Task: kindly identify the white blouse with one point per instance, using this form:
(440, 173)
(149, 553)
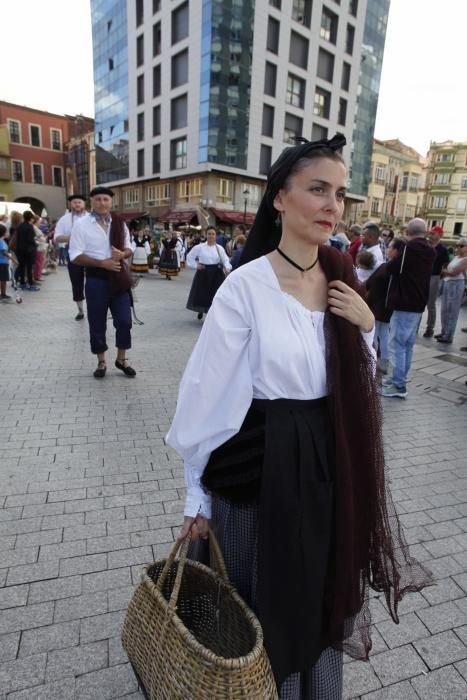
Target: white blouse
(257, 342)
(452, 265)
(208, 255)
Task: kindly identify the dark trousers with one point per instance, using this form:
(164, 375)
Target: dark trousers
(25, 263)
(76, 273)
(99, 300)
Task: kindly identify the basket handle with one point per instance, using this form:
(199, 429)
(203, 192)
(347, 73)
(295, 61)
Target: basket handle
(183, 548)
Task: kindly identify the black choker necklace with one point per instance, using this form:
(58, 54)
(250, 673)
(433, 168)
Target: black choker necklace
(302, 269)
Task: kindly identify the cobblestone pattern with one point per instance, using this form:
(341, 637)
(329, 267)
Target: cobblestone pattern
(89, 493)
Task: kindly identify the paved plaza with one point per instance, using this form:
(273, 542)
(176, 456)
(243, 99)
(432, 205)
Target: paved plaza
(89, 493)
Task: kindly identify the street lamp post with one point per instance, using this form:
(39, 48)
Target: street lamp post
(245, 195)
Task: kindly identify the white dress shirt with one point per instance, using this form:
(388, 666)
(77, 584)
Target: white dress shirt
(377, 253)
(65, 225)
(257, 342)
(89, 238)
(205, 254)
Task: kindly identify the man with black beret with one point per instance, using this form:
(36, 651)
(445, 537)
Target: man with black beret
(101, 242)
(63, 230)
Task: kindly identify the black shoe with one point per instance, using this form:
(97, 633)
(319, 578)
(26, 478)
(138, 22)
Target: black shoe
(444, 340)
(126, 369)
(79, 317)
(200, 316)
(463, 350)
(428, 333)
(438, 335)
(100, 371)
(464, 330)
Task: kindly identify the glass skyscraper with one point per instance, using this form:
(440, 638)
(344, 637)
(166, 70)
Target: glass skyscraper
(110, 47)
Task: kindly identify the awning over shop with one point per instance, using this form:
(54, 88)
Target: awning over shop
(130, 215)
(234, 217)
(179, 216)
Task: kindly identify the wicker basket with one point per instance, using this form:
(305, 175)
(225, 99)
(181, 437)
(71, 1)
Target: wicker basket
(189, 635)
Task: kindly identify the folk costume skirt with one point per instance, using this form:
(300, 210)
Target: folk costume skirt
(168, 263)
(278, 547)
(139, 262)
(205, 284)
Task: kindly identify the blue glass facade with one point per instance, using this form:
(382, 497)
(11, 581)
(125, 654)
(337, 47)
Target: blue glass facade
(226, 56)
(374, 38)
(110, 48)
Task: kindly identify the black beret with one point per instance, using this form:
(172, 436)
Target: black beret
(76, 196)
(101, 190)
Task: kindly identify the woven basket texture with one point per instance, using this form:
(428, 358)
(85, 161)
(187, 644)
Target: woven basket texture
(189, 635)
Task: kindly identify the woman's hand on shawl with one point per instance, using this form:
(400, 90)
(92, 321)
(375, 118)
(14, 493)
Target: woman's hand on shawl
(347, 303)
(197, 526)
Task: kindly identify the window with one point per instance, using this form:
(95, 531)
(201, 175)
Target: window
(265, 157)
(111, 64)
(131, 197)
(380, 174)
(329, 24)
(57, 176)
(275, 3)
(156, 39)
(442, 178)
(325, 65)
(458, 226)
(140, 126)
(156, 158)
(322, 103)
(353, 7)
(439, 202)
(190, 190)
(150, 195)
(464, 183)
(180, 23)
(254, 192)
(140, 50)
(116, 197)
(156, 6)
(272, 42)
(224, 189)
(376, 206)
(56, 139)
(293, 126)
(179, 112)
(345, 79)
(295, 91)
(349, 38)
(267, 128)
(301, 11)
(139, 12)
(35, 135)
(37, 173)
(461, 204)
(318, 132)
(17, 170)
(445, 157)
(178, 153)
(14, 128)
(156, 81)
(414, 183)
(298, 53)
(140, 163)
(140, 89)
(342, 116)
(156, 120)
(270, 77)
(161, 193)
(180, 69)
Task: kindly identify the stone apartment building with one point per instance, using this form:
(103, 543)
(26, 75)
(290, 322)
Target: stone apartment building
(446, 187)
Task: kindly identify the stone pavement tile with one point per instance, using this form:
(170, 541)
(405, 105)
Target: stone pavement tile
(101, 626)
(398, 691)
(441, 649)
(165, 520)
(23, 673)
(443, 529)
(38, 538)
(51, 522)
(107, 544)
(151, 537)
(32, 572)
(442, 617)
(102, 516)
(117, 527)
(444, 566)
(106, 684)
(411, 602)
(83, 565)
(443, 684)
(62, 550)
(77, 661)
(9, 644)
(13, 596)
(84, 505)
(442, 591)
(120, 597)
(81, 606)
(58, 636)
(461, 666)
(46, 509)
(16, 557)
(441, 547)
(144, 509)
(444, 513)
(359, 678)
(56, 589)
(106, 580)
(129, 557)
(117, 654)
(409, 628)
(27, 499)
(58, 690)
(397, 665)
(10, 513)
(83, 532)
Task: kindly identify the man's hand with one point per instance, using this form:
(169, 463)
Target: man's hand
(111, 264)
(117, 254)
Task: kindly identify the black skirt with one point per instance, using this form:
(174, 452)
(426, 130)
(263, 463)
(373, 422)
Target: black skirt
(205, 284)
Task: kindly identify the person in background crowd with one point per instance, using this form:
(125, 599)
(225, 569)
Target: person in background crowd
(454, 278)
(387, 235)
(26, 252)
(441, 261)
(365, 265)
(5, 258)
(235, 259)
(355, 236)
(41, 249)
(371, 242)
(101, 243)
(221, 238)
(238, 230)
(63, 232)
(211, 263)
(141, 252)
(169, 263)
(408, 294)
(341, 235)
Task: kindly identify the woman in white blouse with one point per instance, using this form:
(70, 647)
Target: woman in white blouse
(259, 409)
(211, 263)
(454, 277)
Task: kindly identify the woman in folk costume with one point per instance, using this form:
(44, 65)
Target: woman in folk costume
(211, 263)
(141, 251)
(169, 263)
(280, 432)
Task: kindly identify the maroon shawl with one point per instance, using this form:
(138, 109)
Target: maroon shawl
(123, 280)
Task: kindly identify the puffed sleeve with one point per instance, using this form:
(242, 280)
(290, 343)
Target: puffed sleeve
(77, 241)
(224, 257)
(215, 392)
(191, 258)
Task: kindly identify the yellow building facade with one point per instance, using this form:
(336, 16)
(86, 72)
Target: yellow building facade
(446, 187)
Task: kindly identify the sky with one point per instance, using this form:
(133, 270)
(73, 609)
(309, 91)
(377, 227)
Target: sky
(422, 93)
